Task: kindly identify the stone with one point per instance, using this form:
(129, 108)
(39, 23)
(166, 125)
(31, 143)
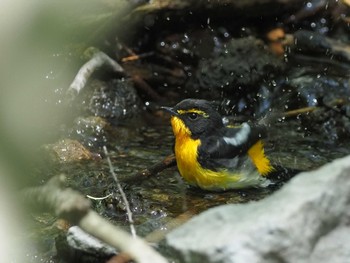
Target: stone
(80, 246)
(334, 247)
(67, 150)
(242, 64)
(298, 223)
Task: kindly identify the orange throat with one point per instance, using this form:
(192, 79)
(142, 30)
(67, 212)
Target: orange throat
(185, 150)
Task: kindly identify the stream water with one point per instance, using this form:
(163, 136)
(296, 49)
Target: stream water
(157, 200)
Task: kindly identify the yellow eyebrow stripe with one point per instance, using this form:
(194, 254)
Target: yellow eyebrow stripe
(203, 113)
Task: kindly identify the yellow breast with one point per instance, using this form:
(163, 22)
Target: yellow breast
(186, 152)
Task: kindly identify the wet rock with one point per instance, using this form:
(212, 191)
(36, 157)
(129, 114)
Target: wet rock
(68, 150)
(313, 42)
(237, 69)
(330, 93)
(298, 223)
(331, 124)
(314, 89)
(92, 131)
(114, 99)
(82, 247)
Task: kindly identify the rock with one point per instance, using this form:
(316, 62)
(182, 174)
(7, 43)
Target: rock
(68, 150)
(241, 65)
(115, 100)
(82, 247)
(92, 131)
(298, 223)
(334, 247)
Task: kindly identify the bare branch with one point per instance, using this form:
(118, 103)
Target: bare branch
(137, 248)
(98, 59)
(168, 162)
(63, 202)
(72, 206)
(125, 200)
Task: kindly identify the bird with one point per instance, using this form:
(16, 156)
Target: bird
(214, 156)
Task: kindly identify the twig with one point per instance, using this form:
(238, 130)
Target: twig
(108, 233)
(128, 50)
(137, 57)
(98, 59)
(296, 112)
(98, 198)
(168, 162)
(63, 202)
(72, 206)
(140, 83)
(125, 200)
(158, 235)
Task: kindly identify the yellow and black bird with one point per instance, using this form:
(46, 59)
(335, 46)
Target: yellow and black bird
(213, 156)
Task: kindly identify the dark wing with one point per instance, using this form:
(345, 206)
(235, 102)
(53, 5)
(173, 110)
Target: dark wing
(232, 142)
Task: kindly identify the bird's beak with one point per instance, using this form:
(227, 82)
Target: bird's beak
(170, 110)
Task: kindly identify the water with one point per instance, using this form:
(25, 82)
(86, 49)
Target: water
(157, 200)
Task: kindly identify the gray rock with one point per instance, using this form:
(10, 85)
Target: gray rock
(298, 223)
(334, 247)
(81, 241)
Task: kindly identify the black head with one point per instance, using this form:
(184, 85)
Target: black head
(195, 118)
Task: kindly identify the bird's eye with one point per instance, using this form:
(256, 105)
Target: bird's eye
(193, 116)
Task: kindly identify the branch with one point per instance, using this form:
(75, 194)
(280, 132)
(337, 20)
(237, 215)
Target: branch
(136, 247)
(72, 206)
(53, 197)
(97, 60)
(296, 112)
(166, 163)
(125, 200)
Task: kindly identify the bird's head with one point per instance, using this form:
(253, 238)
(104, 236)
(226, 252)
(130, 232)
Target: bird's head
(194, 118)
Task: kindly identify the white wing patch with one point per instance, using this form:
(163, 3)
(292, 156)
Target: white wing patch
(241, 137)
